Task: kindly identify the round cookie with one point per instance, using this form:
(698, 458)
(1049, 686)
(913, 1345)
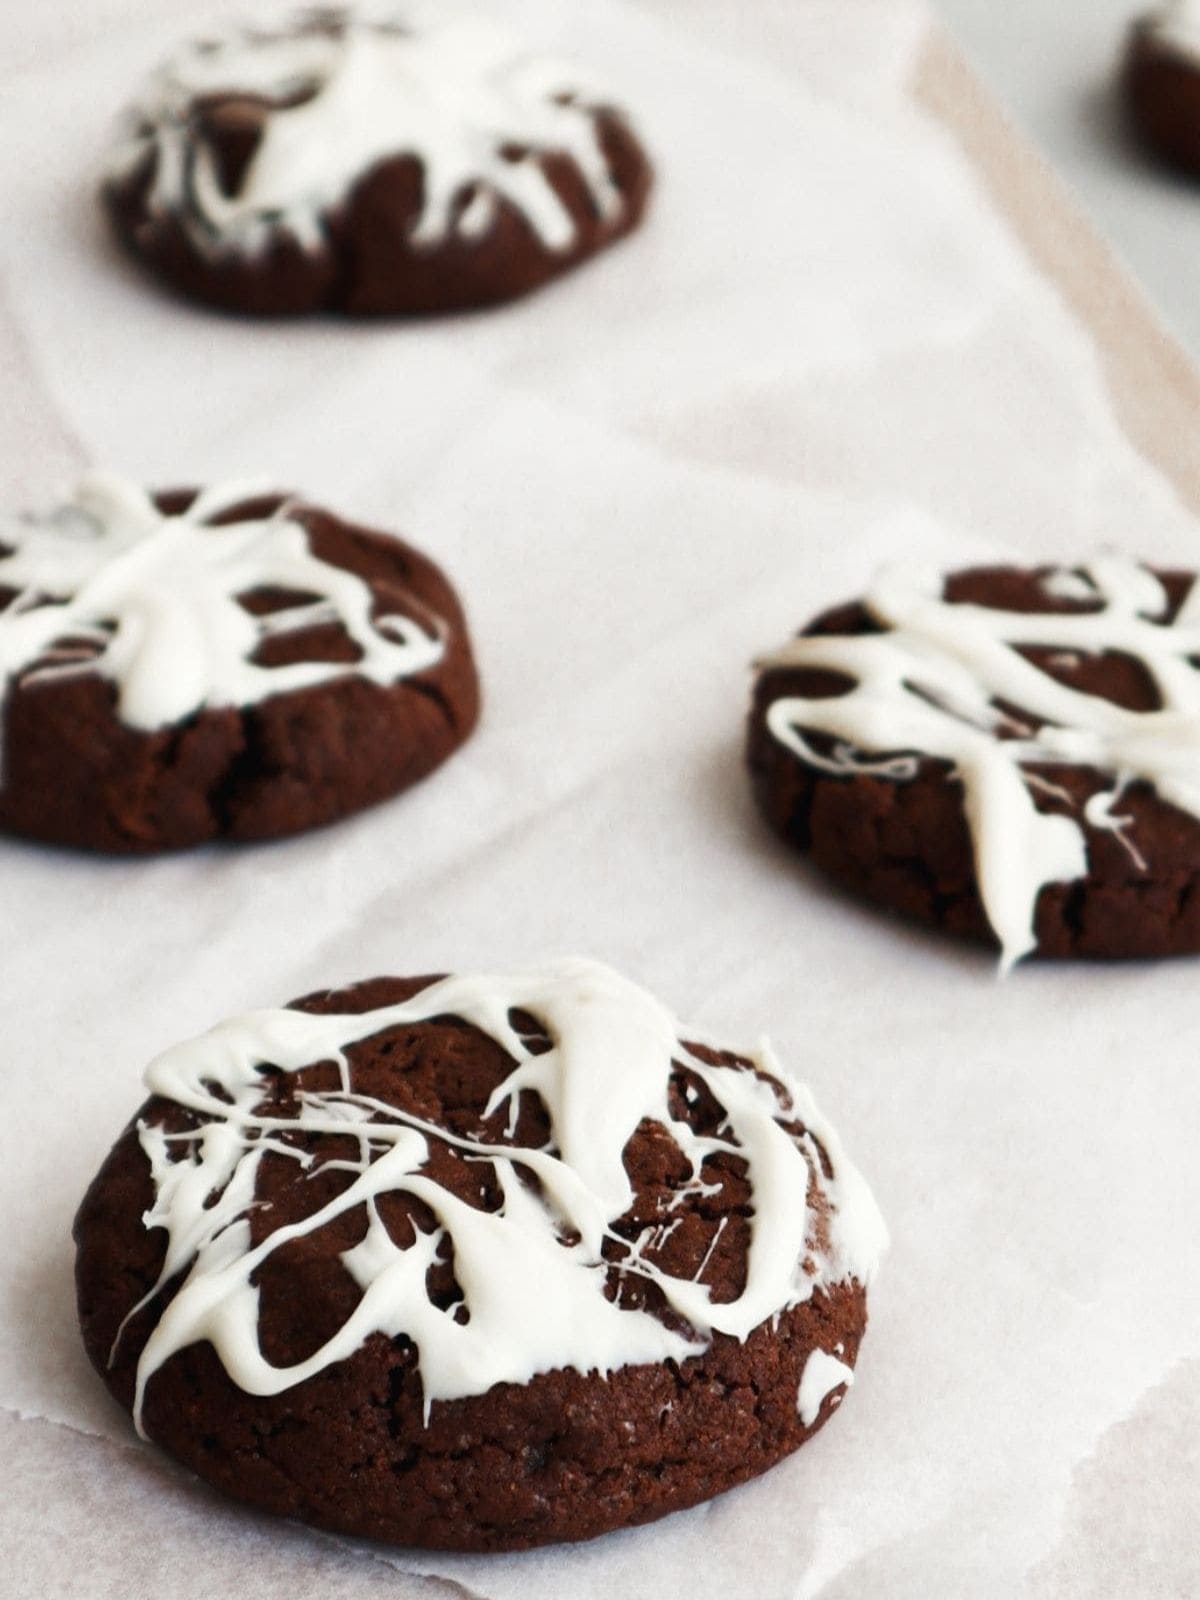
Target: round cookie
(1162, 82)
(187, 667)
(1011, 754)
(475, 1263)
(382, 163)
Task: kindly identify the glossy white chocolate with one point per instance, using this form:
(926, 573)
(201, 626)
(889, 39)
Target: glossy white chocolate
(929, 686)
(532, 1273)
(454, 92)
(108, 584)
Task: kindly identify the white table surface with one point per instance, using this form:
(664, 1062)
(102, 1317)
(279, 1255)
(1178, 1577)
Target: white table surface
(1053, 64)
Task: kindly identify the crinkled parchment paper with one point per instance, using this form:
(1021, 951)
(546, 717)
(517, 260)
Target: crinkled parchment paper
(826, 348)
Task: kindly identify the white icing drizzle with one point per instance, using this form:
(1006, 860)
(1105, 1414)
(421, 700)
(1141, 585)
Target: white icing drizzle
(822, 1374)
(1177, 24)
(153, 601)
(458, 94)
(535, 1300)
(930, 685)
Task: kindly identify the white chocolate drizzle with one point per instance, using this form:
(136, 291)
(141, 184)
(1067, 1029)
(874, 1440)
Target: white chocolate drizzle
(822, 1374)
(109, 584)
(532, 1273)
(478, 112)
(929, 685)
(1177, 24)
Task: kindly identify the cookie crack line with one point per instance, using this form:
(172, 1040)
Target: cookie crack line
(612, 1051)
(934, 684)
(111, 585)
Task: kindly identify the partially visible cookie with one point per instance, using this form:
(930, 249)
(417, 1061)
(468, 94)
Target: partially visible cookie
(1162, 81)
(388, 162)
(186, 667)
(1011, 754)
(475, 1263)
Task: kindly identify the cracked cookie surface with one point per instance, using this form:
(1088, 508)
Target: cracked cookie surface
(891, 819)
(358, 1445)
(382, 164)
(181, 668)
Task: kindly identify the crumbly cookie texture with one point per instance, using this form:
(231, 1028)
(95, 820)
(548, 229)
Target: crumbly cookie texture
(384, 160)
(476, 1262)
(1012, 754)
(185, 667)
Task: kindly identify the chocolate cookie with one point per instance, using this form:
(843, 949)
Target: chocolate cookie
(372, 165)
(1013, 755)
(198, 666)
(1162, 82)
(475, 1263)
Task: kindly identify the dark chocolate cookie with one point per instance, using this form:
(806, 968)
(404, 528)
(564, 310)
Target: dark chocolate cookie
(1162, 82)
(1013, 755)
(199, 666)
(475, 1263)
(369, 166)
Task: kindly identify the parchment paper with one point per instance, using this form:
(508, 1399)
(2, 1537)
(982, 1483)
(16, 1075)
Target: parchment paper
(826, 348)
